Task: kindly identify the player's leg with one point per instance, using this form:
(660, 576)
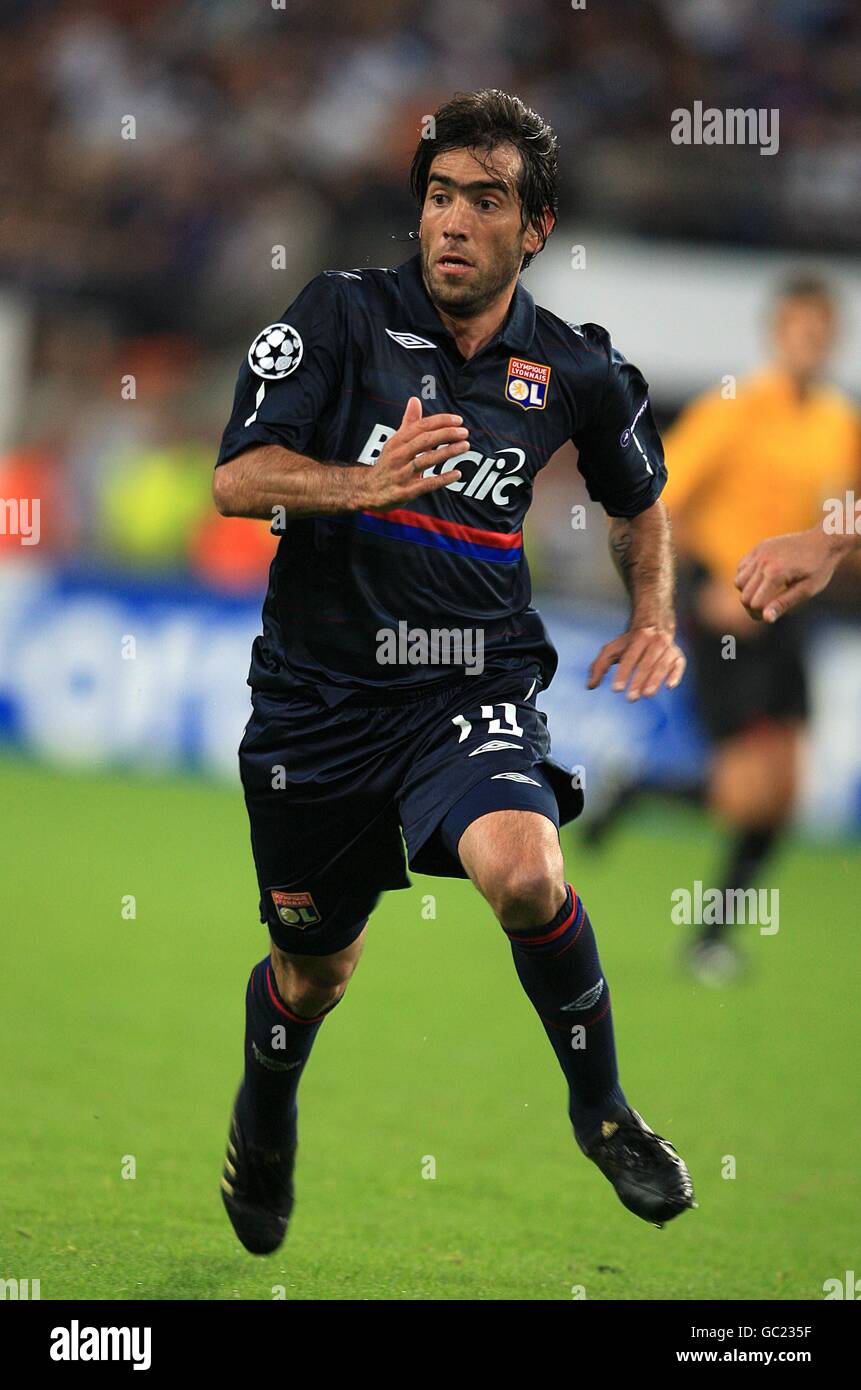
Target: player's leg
(312, 985)
(753, 703)
(515, 861)
(322, 858)
(484, 799)
(287, 999)
(753, 782)
(286, 1002)
(754, 776)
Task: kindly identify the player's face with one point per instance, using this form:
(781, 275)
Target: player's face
(804, 331)
(472, 239)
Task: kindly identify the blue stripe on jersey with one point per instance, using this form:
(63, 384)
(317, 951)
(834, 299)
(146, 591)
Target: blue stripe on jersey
(397, 531)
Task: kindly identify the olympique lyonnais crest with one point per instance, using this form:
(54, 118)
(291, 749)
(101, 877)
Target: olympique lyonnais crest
(526, 383)
(295, 909)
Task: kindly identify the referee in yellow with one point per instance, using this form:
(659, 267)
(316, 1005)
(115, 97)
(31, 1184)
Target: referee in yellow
(743, 465)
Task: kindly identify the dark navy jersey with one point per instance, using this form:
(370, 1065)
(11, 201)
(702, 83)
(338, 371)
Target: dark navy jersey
(331, 381)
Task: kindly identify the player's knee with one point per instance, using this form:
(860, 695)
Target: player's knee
(311, 984)
(753, 789)
(527, 893)
(309, 997)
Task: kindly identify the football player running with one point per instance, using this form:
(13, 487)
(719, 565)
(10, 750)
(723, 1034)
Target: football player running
(398, 525)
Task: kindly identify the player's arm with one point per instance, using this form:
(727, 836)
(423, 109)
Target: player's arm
(271, 481)
(646, 654)
(289, 387)
(781, 573)
(642, 553)
(622, 460)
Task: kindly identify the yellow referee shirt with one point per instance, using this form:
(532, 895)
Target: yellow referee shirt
(758, 465)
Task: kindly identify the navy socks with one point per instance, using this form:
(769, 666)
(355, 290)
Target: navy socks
(560, 971)
(277, 1046)
(558, 967)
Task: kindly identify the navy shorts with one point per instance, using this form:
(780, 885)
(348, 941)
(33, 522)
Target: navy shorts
(329, 792)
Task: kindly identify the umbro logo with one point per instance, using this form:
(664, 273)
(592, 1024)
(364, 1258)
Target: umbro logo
(410, 340)
(494, 746)
(586, 1000)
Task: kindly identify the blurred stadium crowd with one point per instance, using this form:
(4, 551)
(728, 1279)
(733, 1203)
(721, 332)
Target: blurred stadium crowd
(263, 125)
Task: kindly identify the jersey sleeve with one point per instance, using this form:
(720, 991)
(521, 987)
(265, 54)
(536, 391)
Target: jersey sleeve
(621, 456)
(298, 365)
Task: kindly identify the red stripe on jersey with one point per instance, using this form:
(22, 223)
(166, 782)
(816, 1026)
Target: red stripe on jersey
(504, 541)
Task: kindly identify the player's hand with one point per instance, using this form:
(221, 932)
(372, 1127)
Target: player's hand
(647, 658)
(418, 442)
(781, 573)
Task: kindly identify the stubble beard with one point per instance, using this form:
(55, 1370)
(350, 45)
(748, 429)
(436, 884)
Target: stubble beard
(462, 301)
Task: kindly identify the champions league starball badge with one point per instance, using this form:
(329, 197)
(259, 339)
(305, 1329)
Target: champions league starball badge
(275, 352)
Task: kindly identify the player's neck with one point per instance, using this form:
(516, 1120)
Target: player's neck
(801, 384)
(471, 335)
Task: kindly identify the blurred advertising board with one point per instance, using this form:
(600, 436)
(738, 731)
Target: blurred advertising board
(104, 671)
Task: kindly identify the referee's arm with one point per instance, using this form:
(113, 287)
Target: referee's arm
(783, 572)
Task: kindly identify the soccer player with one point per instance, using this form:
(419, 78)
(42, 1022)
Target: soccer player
(401, 561)
(766, 460)
(781, 573)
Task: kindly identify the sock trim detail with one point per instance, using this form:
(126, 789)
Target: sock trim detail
(530, 939)
(282, 1007)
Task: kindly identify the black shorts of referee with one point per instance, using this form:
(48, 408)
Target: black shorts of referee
(749, 682)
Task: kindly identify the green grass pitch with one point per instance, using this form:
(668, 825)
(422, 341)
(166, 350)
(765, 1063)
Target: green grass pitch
(122, 1037)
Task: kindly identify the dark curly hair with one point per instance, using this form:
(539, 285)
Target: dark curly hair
(482, 121)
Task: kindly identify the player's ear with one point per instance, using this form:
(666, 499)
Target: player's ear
(536, 236)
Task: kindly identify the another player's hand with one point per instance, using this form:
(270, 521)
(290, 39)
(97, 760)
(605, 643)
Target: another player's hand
(647, 658)
(418, 442)
(781, 573)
